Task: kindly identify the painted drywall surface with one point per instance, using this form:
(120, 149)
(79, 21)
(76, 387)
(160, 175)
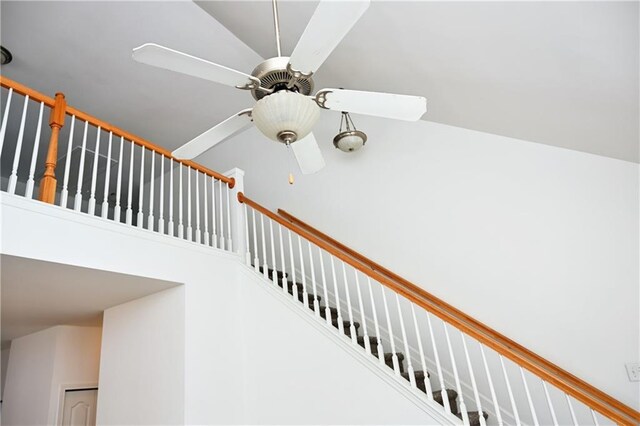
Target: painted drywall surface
(28, 386)
(208, 292)
(77, 362)
(538, 242)
(41, 364)
(295, 374)
(4, 362)
(215, 381)
(143, 340)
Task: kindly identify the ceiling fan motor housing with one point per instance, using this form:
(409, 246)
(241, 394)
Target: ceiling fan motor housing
(273, 75)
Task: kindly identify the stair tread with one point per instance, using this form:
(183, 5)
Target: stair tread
(419, 375)
(474, 417)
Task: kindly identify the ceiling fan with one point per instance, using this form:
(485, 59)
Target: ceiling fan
(285, 111)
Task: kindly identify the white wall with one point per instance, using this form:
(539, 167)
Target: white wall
(207, 301)
(538, 242)
(41, 365)
(294, 373)
(231, 348)
(143, 343)
(4, 362)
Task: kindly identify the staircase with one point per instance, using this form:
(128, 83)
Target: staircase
(371, 344)
(433, 349)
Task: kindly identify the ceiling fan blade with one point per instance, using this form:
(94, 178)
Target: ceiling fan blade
(308, 154)
(163, 57)
(331, 21)
(399, 107)
(214, 136)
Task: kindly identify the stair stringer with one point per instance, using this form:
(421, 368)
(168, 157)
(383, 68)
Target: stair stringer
(432, 410)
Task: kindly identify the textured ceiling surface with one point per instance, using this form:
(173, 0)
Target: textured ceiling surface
(558, 73)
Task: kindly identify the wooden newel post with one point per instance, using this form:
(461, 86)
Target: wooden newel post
(56, 121)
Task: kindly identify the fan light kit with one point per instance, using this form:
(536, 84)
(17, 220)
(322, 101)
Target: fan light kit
(286, 110)
(351, 139)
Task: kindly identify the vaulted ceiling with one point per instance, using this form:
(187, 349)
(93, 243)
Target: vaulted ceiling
(558, 73)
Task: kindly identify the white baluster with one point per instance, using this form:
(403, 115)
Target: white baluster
(427, 383)
(352, 327)
(256, 260)
(496, 407)
(443, 388)
(140, 216)
(161, 210)
(274, 276)
(247, 255)
(189, 228)
(170, 225)
(316, 304)
(595, 418)
(463, 407)
(214, 237)
(67, 165)
(116, 211)
(337, 296)
(180, 205)
(327, 309)
(229, 240)
(221, 215)
(129, 211)
(94, 174)
(34, 154)
(305, 294)
(394, 356)
(526, 390)
(13, 179)
(573, 414)
(294, 288)
(151, 219)
(265, 266)
(511, 399)
(379, 348)
(365, 333)
(550, 404)
(473, 380)
(5, 117)
(104, 210)
(282, 257)
(206, 211)
(412, 376)
(77, 202)
(198, 233)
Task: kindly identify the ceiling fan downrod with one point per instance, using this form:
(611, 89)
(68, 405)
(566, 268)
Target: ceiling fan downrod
(277, 25)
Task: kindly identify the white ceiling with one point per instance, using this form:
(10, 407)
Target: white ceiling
(559, 73)
(38, 295)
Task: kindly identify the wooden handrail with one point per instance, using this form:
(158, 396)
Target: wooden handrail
(554, 369)
(580, 390)
(24, 90)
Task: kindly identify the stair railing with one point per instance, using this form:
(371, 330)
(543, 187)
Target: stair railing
(444, 349)
(457, 361)
(113, 174)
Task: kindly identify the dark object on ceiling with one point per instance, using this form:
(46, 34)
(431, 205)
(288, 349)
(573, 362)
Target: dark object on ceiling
(6, 56)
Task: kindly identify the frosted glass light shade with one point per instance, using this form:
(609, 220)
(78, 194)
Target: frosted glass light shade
(285, 111)
(349, 141)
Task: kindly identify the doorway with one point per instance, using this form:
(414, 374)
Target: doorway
(79, 407)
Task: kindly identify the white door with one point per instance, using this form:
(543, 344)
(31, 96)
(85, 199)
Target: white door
(79, 407)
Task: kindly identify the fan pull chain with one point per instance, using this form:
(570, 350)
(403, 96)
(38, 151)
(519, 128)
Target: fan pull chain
(290, 156)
